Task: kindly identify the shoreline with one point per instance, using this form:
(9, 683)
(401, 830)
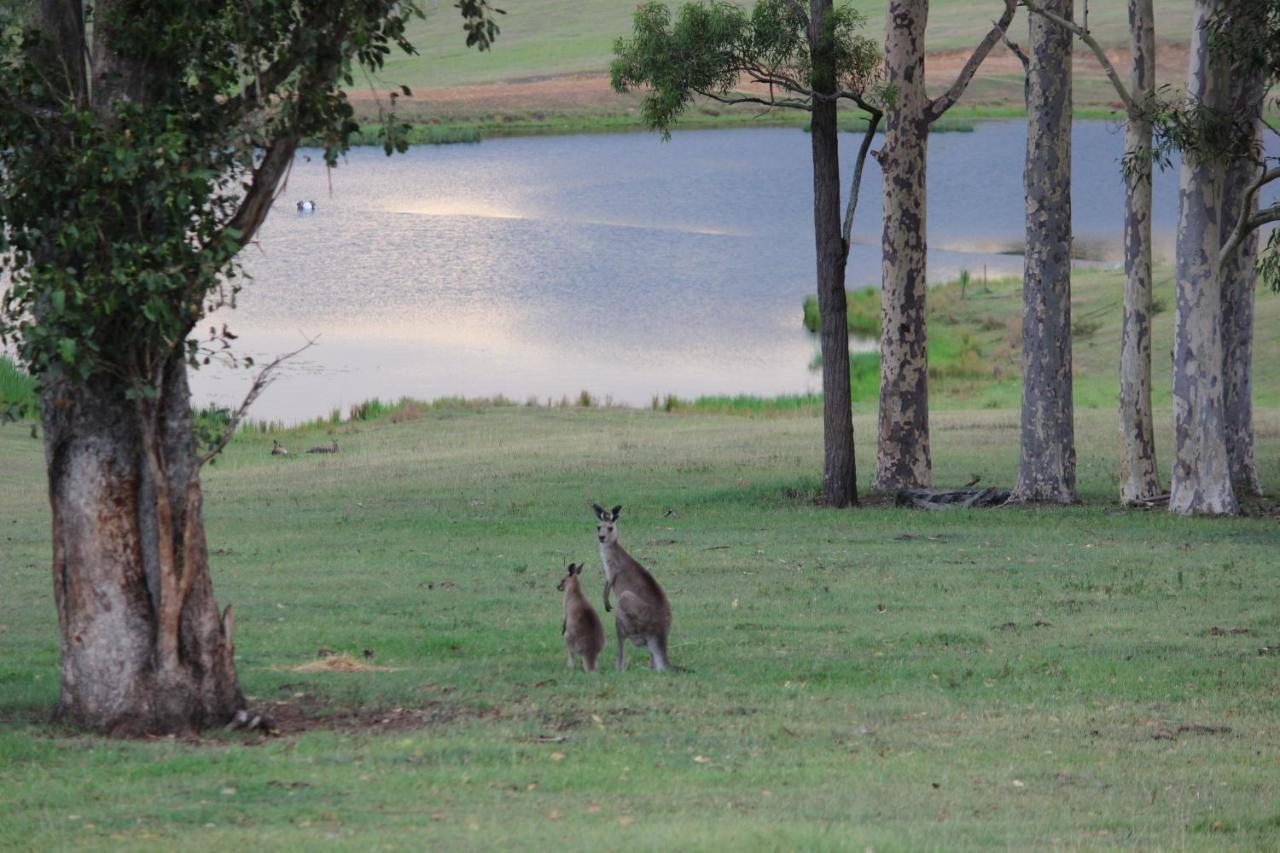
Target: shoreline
(958, 120)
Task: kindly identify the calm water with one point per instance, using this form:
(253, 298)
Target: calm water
(616, 264)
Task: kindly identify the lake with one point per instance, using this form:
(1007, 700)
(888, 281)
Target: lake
(616, 264)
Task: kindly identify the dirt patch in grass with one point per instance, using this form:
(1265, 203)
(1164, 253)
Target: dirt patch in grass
(340, 663)
(290, 718)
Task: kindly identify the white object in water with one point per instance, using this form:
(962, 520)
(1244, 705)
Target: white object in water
(306, 207)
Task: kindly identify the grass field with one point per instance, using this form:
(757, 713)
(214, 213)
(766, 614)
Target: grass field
(547, 71)
(542, 38)
(875, 678)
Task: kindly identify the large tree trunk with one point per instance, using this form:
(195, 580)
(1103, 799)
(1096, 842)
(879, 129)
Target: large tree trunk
(1239, 281)
(902, 456)
(839, 480)
(124, 558)
(1139, 474)
(1201, 473)
(1047, 468)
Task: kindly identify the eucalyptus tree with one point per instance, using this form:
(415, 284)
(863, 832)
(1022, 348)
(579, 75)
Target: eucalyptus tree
(142, 143)
(790, 59)
(1248, 36)
(1139, 474)
(1234, 55)
(902, 455)
(1201, 475)
(1047, 460)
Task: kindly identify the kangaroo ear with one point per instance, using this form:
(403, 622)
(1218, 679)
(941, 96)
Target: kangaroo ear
(600, 513)
(575, 570)
(616, 510)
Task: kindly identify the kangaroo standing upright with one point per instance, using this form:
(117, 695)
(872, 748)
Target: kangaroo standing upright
(644, 615)
(583, 634)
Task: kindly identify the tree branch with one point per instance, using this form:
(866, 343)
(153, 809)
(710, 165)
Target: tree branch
(847, 230)
(947, 99)
(1248, 219)
(730, 98)
(1131, 106)
(256, 203)
(260, 383)
(1017, 51)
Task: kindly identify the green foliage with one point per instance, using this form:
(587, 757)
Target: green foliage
(124, 202)
(209, 424)
(863, 316)
(707, 48)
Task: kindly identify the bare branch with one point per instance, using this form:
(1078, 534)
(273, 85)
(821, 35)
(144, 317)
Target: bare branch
(1017, 51)
(947, 99)
(260, 382)
(731, 98)
(1249, 219)
(847, 231)
(1131, 106)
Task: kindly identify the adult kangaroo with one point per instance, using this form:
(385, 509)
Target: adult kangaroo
(644, 615)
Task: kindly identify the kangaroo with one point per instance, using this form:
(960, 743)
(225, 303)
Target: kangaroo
(644, 615)
(583, 634)
(320, 448)
(278, 449)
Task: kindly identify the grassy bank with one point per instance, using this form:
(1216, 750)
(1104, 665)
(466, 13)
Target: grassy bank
(975, 335)
(1080, 677)
(472, 126)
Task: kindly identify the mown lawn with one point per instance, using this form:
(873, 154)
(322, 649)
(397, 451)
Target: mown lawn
(894, 679)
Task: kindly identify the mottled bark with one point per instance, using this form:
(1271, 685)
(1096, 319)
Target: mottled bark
(143, 646)
(1201, 482)
(109, 531)
(1139, 474)
(1239, 281)
(902, 450)
(1047, 466)
(902, 458)
(839, 480)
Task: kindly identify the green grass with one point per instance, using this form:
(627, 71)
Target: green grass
(552, 38)
(975, 339)
(542, 38)
(879, 677)
(17, 390)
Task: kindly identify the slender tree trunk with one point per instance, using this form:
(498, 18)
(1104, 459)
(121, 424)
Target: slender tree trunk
(1201, 473)
(902, 457)
(1139, 474)
(109, 531)
(1239, 281)
(1047, 469)
(839, 478)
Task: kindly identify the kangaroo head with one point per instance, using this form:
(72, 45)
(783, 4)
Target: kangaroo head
(607, 524)
(570, 574)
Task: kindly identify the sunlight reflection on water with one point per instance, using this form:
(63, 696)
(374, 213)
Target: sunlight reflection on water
(616, 264)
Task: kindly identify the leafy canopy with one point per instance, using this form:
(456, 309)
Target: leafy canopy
(710, 48)
(133, 170)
